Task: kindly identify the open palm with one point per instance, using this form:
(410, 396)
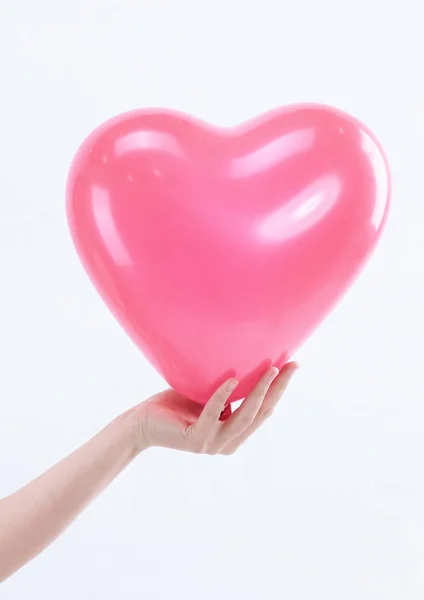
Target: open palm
(172, 421)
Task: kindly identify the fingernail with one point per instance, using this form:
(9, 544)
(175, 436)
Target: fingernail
(272, 374)
(293, 368)
(231, 385)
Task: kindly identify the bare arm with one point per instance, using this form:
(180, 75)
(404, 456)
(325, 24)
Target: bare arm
(33, 517)
(36, 515)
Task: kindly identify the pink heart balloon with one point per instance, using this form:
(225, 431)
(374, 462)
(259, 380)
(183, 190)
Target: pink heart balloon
(220, 251)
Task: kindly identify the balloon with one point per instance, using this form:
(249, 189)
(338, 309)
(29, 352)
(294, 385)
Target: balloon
(220, 250)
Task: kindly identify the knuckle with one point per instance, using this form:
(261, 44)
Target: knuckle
(260, 392)
(210, 414)
(246, 420)
(282, 385)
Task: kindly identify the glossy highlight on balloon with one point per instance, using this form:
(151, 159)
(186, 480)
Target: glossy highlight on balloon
(220, 250)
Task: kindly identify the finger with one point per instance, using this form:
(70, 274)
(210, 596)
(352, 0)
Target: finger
(210, 415)
(276, 391)
(268, 406)
(244, 416)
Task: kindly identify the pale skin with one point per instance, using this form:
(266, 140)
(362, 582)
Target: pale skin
(34, 516)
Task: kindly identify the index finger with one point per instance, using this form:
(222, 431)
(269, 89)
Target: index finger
(270, 402)
(244, 416)
(213, 409)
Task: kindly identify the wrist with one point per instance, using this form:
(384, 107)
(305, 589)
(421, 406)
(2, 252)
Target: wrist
(131, 427)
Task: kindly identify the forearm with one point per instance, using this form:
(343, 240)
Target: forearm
(36, 515)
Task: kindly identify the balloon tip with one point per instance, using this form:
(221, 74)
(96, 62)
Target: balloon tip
(226, 413)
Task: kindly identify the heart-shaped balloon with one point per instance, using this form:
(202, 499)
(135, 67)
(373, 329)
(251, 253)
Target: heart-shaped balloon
(219, 251)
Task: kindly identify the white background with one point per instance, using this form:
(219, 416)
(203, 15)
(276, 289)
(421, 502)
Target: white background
(327, 501)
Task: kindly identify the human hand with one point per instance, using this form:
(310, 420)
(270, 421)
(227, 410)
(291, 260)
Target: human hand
(169, 420)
